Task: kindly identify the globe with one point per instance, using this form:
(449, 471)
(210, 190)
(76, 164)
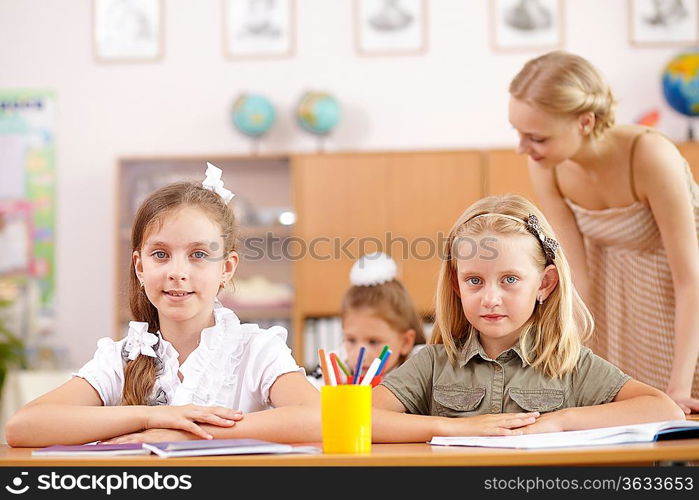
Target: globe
(253, 114)
(681, 83)
(318, 112)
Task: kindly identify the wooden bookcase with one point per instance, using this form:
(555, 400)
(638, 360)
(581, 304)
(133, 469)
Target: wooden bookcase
(345, 204)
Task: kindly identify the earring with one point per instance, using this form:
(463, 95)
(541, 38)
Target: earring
(141, 284)
(541, 300)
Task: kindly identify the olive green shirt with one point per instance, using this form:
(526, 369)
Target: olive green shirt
(428, 384)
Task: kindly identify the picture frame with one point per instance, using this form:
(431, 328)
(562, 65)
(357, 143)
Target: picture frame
(390, 27)
(127, 30)
(663, 23)
(526, 25)
(259, 29)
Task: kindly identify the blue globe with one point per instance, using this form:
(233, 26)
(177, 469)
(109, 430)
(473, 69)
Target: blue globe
(318, 112)
(681, 83)
(253, 114)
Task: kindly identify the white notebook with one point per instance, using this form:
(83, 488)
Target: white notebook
(202, 447)
(638, 433)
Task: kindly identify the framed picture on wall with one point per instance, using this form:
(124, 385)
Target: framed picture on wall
(657, 23)
(526, 25)
(127, 30)
(390, 27)
(258, 28)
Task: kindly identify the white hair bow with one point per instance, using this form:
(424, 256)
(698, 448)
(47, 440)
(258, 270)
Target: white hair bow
(373, 269)
(140, 340)
(213, 182)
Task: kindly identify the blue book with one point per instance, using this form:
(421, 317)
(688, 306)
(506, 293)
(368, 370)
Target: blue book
(92, 450)
(201, 447)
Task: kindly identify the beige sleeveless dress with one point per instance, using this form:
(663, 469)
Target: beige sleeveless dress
(632, 297)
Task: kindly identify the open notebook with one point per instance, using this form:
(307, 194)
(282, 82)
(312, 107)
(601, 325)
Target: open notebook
(177, 448)
(638, 433)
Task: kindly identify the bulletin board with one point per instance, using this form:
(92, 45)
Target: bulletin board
(27, 179)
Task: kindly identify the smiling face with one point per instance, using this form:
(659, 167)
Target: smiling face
(182, 266)
(547, 138)
(499, 288)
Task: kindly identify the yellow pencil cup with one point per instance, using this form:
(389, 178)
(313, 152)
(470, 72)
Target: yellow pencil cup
(346, 418)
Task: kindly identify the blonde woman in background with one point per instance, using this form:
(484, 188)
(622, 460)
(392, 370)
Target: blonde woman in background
(623, 201)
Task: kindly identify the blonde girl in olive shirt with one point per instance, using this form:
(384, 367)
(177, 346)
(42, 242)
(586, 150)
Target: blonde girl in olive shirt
(506, 351)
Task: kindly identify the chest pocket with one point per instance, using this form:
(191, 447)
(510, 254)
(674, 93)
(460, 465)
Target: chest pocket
(451, 401)
(541, 400)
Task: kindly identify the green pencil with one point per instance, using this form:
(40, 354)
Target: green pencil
(343, 367)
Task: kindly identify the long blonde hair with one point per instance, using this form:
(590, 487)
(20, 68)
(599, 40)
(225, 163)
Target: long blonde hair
(140, 374)
(552, 337)
(564, 83)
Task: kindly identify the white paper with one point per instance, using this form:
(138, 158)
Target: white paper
(637, 433)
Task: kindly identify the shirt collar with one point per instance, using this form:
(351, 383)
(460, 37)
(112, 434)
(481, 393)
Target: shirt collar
(473, 347)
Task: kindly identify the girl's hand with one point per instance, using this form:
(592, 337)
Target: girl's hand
(184, 418)
(152, 436)
(550, 422)
(498, 424)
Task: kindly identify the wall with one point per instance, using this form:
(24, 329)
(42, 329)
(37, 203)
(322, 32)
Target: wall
(454, 96)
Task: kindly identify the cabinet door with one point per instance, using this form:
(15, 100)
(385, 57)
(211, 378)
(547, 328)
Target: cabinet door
(507, 172)
(341, 206)
(427, 193)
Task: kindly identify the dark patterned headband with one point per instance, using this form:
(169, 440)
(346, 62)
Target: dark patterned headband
(548, 245)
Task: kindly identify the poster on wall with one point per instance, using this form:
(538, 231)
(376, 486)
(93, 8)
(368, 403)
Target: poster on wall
(526, 25)
(258, 29)
(27, 187)
(127, 30)
(655, 23)
(390, 27)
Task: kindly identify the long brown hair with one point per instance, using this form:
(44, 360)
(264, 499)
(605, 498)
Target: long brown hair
(140, 374)
(552, 337)
(389, 301)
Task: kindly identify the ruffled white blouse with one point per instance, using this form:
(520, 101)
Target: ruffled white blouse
(234, 366)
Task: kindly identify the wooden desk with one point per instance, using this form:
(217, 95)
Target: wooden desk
(409, 454)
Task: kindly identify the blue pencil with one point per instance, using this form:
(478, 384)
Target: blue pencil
(383, 362)
(360, 361)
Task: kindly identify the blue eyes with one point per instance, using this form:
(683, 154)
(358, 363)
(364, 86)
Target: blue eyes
(509, 280)
(161, 255)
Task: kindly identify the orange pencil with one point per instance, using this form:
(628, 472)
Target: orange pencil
(336, 369)
(324, 366)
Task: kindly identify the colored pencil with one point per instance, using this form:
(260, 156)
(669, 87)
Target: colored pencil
(373, 367)
(360, 362)
(343, 367)
(336, 370)
(324, 366)
(331, 373)
(383, 362)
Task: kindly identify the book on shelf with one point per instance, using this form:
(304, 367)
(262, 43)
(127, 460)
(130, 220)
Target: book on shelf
(93, 450)
(622, 434)
(199, 447)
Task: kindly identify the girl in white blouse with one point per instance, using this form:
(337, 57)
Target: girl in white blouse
(202, 374)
